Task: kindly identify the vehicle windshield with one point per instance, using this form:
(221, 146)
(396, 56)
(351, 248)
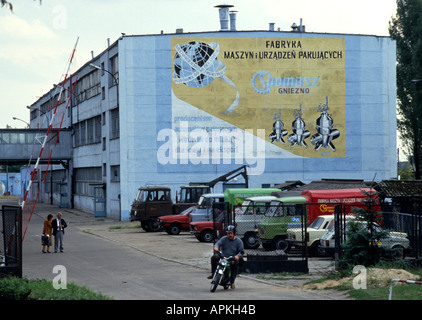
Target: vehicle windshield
(275, 209)
(242, 209)
(317, 223)
(201, 202)
(331, 226)
(191, 195)
(153, 195)
(205, 202)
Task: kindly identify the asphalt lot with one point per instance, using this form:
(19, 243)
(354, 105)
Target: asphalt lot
(131, 264)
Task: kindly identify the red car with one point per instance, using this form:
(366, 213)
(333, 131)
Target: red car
(204, 230)
(175, 223)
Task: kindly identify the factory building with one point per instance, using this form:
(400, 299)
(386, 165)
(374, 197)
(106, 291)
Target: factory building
(170, 109)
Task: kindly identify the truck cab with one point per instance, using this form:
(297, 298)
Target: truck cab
(188, 197)
(204, 207)
(150, 203)
(282, 213)
(247, 218)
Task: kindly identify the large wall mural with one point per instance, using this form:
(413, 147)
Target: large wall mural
(293, 88)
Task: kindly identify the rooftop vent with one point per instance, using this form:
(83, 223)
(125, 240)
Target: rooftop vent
(271, 27)
(296, 28)
(233, 15)
(223, 10)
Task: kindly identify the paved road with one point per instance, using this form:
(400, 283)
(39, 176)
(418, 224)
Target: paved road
(126, 265)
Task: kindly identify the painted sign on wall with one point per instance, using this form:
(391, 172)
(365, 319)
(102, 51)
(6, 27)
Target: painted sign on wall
(293, 88)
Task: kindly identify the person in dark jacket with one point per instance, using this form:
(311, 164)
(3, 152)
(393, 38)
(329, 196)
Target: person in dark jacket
(58, 225)
(229, 245)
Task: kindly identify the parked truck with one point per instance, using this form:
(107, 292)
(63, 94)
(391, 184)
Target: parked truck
(154, 201)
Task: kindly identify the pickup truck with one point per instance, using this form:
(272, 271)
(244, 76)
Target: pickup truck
(315, 231)
(173, 224)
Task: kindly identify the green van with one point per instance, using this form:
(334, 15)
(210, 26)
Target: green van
(235, 196)
(282, 213)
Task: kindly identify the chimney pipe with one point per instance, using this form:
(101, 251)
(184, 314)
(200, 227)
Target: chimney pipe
(271, 26)
(233, 20)
(223, 10)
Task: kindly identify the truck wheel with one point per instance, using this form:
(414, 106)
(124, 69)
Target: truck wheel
(174, 229)
(207, 236)
(250, 241)
(398, 252)
(144, 225)
(153, 225)
(280, 243)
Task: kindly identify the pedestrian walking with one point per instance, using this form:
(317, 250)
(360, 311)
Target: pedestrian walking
(46, 234)
(58, 225)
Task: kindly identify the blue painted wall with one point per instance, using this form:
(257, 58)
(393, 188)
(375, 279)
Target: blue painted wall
(146, 108)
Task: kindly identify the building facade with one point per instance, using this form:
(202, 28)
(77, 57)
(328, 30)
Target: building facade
(170, 109)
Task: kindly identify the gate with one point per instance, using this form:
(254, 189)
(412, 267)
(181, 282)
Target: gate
(11, 241)
(263, 229)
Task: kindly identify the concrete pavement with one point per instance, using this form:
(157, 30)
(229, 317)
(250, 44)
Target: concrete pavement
(125, 262)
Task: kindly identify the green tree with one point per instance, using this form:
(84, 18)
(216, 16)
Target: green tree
(363, 235)
(406, 29)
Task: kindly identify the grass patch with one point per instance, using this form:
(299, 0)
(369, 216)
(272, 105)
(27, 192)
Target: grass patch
(281, 276)
(13, 288)
(124, 227)
(377, 285)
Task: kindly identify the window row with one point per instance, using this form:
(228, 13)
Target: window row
(87, 131)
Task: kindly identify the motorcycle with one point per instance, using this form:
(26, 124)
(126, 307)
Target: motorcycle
(222, 273)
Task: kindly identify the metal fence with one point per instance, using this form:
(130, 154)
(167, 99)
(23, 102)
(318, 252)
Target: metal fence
(263, 230)
(11, 241)
(404, 229)
(281, 237)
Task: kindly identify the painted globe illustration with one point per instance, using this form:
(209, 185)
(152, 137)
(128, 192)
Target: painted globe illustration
(196, 64)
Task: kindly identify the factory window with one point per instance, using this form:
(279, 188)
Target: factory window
(82, 133)
(114, 126)
(88, 87)
(97, 130)
(114, 173)
(114, 68)
(59, 176)
(88, 131)
(85, 178)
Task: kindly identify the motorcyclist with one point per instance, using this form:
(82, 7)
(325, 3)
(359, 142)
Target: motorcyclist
(228, 245)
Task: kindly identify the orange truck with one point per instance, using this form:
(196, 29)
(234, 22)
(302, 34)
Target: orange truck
(324, 201)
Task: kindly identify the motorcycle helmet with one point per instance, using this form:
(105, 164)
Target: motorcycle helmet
(230, 228)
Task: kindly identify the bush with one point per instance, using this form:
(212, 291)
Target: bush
(23, 289)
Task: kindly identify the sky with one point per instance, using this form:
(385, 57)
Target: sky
(36, 40)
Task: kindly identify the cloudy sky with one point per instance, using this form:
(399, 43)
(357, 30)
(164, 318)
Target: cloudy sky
(36, 40)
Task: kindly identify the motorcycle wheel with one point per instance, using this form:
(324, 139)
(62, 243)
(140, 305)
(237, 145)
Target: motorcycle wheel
(215, 281)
